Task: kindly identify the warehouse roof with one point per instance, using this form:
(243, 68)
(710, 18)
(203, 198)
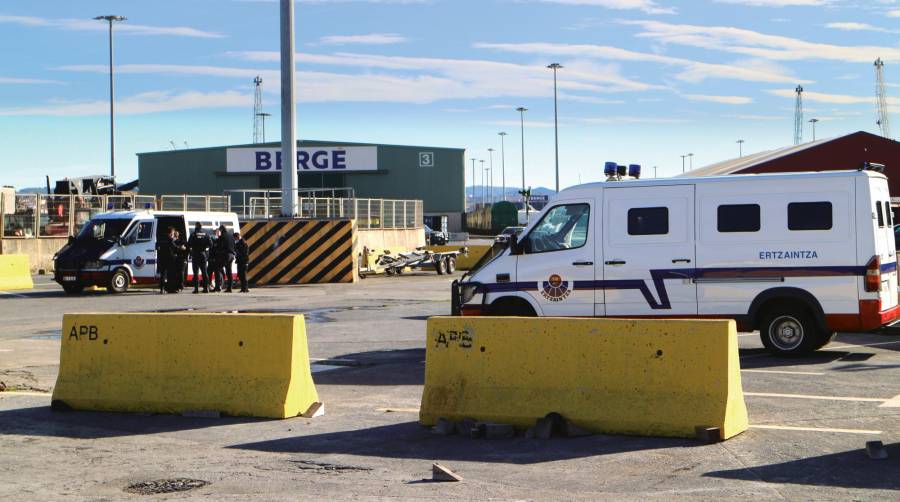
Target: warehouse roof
(300, 142)
(739, 164)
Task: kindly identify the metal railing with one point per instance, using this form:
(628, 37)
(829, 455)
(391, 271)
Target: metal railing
(368, 213)
(38, 215)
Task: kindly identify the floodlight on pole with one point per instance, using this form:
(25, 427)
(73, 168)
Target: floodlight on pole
(263, 116)
(473, 184)
(682, 162)
(112, 110)
(502, 164)
(483, 185)
(740, 143)
(813, 122)
(491, 180)
(555, 67)
(522, 111)
(691, 161)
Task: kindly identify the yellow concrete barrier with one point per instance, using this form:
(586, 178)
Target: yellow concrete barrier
(236, 364)
(463, 262)
(620, 376)
(15, 272)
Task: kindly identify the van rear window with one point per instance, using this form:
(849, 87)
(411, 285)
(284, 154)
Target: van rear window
(738, 218)
(810, 216)
(648, 221)
(880, 215)
(888, 215)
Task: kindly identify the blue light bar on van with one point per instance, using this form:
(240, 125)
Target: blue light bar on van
(634, 170)
(609, 169)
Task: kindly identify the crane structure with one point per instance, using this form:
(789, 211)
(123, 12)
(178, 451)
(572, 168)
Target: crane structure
(798, 116)
(881, 97)
(258, 119)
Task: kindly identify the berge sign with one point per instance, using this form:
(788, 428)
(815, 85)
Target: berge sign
(325, 158)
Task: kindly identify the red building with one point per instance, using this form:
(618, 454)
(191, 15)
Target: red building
(841, 153)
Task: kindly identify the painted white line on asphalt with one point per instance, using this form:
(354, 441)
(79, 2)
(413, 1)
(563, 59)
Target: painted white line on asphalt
(813, 429)
(893, 402)
(824, 398)
(860, 345)
(784, 372)
(23, 393)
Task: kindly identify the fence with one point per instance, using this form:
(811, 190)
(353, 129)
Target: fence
(368, 213)
(36, 215)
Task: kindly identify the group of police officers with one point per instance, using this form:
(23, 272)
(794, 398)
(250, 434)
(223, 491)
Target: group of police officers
(214, 254)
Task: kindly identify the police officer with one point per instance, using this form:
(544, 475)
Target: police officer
(242, 256)
(225, 252)
(165, 258)
(181, 252)
(199, 244)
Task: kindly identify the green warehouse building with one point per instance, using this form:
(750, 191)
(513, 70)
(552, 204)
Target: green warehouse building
(434, 175)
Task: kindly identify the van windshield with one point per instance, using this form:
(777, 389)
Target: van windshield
(106, 229)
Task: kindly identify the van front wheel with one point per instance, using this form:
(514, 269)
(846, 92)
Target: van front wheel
(789, 332)
(119, 282)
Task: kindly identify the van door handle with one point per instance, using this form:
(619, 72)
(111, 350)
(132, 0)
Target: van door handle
(615, 262)
(582, 263)
(150, 250)
(681, 260)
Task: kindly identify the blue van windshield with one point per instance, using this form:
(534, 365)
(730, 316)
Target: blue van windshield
(107, 229)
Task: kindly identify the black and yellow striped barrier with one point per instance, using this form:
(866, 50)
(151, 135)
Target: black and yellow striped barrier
(299, 251)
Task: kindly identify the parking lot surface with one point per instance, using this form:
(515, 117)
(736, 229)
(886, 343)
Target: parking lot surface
(810, 418)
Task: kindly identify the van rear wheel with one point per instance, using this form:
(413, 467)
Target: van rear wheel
(790, 332)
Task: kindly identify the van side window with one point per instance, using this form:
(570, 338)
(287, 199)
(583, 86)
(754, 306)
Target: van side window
(880, 215)
(888, 215)
(810, 216)
(648, 221)
(562, 227)
(738, 218)
(145, 231)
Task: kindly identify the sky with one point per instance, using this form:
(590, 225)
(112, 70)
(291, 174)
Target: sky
(643, 81)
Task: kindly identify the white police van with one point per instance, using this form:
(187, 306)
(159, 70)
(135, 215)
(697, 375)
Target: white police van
(798, 256)
(118, 249)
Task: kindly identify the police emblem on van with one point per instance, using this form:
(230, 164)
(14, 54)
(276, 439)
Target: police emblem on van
(555, 289)
(139, 262)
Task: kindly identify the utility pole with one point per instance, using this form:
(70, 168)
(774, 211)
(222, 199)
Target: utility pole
(491, 182)
(682, 163)
(813, 122)
(502, 164)
(522, 111)
(473, 184)
(555, 67)
(798, 116)
(257, 111)
(112, 95)
(691, 161)
(288, 109)
(740, 143)
(490, 186)
(654, 171)
(263, 116)
(483, 185)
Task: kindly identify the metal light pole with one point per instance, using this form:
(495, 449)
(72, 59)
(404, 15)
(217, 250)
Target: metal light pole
(522, 111)
(555, 67)
(813, 122)
(489, 174)
(483, 185)
(682, 163)
(491, 181)
(473, 184)
(502, 164)
(112, 94)
(691, 161)
(264, 116)
(288, 109)
(740, 143)
(654, 171)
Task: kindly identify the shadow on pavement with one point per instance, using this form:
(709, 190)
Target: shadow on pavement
(380, 367)
(848, 469)
(760, 358)
(409, 440)
(41, 421)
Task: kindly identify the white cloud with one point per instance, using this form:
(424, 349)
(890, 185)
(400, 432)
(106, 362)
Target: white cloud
(728, 100)
(758, 118)
(777, 3)
(759, 45)
(821, 97)
(893, 13)
(147, 102)
(16, 80)
(369, 39)
(853, 26)
(692, 71)
(628, 119)
(529, 124)
(648, 6)
(121, 27)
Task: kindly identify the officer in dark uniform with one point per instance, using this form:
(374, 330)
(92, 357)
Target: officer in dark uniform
(165, 258)
(199, 244)
(224, 251)
(181, 254)
(242, 257)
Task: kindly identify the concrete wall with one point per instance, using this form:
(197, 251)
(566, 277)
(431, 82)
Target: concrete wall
(39, 251)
